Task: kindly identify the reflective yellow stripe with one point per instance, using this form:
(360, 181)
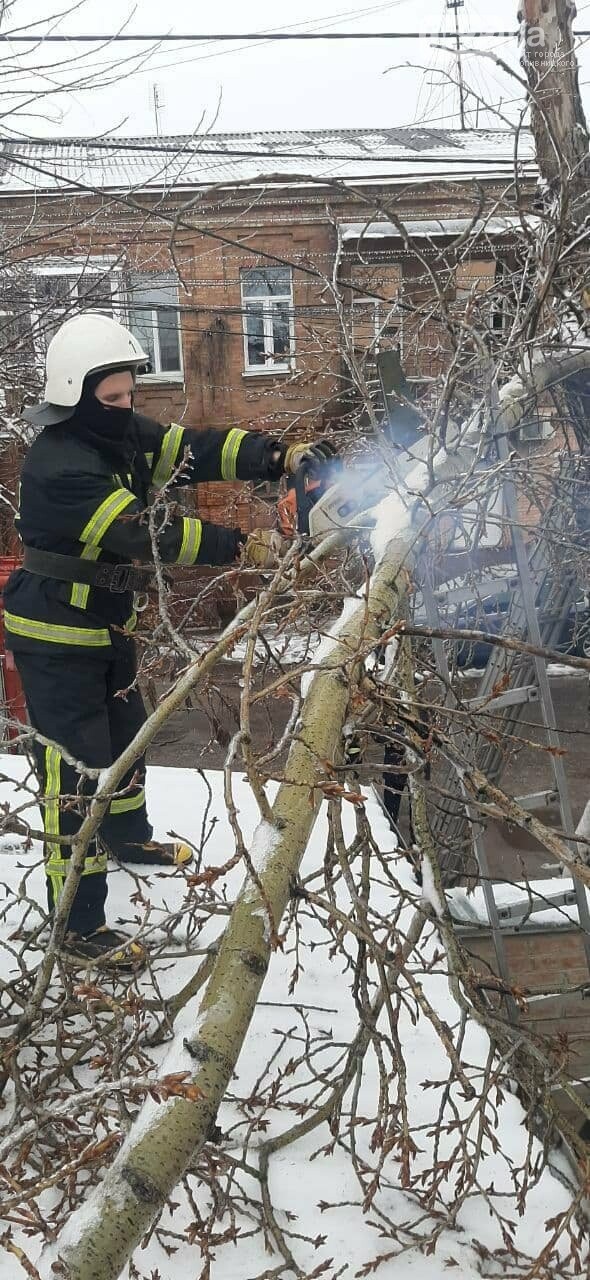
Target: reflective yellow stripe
(96, 528)
(94, 864)
(149, 457)
(126, 803)
(56, 866)
(81, 590)
(168, 454)
(105, 514)
(191, 541)
(229, 453)
(52, 634)
(51, 819)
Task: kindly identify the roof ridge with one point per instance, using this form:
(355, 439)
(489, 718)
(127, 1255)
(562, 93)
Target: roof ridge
(184, 138)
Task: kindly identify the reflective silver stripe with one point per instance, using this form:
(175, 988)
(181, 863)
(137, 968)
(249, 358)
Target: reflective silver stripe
(50, 633)
(229, 453)
(168, 454)
(191, 541)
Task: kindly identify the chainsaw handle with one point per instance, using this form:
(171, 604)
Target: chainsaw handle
(306, 486)
(303, 506)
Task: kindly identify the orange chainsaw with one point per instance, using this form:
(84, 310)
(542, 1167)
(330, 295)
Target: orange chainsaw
(324, 496)
(311, 481)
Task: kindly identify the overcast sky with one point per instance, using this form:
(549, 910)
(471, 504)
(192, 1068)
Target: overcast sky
(232, 88)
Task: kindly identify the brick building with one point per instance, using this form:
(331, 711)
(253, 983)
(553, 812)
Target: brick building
(247, 264)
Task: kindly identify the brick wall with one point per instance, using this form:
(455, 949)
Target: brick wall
(216, 238)
(542, 960)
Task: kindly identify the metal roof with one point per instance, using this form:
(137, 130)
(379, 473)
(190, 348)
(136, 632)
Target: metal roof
(370, 155)
(433, 228)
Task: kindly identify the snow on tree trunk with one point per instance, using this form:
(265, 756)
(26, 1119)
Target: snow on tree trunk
(100, 1237)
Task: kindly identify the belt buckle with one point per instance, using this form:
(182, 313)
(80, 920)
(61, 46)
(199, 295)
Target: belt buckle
(115, 577)
(122, 578)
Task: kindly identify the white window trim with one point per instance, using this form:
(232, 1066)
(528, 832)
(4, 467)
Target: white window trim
(465, 292)
(177, 375)
(77, 268)
(538, 429)
(270, 371)
(113, 268)
(380, 322)
(266, 301)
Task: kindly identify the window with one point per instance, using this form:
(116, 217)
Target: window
(154, 319)
(376, 317)
(62, 289)
(148, 304)
(267, 301)
(535, 428)
(482, 278)
(16, 343)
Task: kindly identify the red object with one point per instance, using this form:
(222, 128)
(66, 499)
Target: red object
(287, 513)
(13, 697)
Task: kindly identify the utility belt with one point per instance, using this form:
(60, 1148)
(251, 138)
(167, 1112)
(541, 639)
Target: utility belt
(117, 578)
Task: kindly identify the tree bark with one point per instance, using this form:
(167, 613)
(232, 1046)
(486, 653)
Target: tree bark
(101, 1236)
(558, 121)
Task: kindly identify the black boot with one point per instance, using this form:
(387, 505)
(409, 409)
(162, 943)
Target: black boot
(107, 949)
(158, 853)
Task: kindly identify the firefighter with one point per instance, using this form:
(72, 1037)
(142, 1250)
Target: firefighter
(69, 612)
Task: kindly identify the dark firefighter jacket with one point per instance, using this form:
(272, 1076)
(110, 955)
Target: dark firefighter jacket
(72, 502)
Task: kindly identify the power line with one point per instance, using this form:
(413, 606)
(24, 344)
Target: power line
(227, 37)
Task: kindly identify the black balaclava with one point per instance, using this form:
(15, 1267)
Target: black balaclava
(111, 430)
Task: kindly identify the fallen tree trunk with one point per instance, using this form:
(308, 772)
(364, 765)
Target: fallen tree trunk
(101, 1236)
(112, 777)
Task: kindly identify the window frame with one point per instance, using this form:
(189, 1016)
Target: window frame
(265, 301)
(382, 310)
(156, 375)
(74, 268)
(536, 429)
(479, 285)
(117, 273)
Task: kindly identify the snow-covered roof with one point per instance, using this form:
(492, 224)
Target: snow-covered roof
(429, 228)
(370, 155)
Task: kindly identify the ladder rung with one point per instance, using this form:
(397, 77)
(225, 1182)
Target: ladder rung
(486, 587)
(520, 910)
(510, 698)
(537, 800)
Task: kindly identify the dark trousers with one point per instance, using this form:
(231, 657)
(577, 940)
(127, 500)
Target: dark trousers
(395, 779)
(72, 699)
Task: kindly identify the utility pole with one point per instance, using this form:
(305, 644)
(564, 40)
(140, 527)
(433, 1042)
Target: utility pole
(456, 5)
(557, 115)
(158, 104)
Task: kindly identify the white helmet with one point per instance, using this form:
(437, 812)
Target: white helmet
(84, 344)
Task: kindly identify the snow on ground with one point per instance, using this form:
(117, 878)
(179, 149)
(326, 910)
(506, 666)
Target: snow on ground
(301, 1180)
(293, 648)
